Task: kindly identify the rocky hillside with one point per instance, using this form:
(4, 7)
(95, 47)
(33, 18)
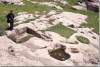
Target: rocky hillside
(50, 37)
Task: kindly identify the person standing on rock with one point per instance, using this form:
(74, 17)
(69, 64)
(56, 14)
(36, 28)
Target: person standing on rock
(10, 19)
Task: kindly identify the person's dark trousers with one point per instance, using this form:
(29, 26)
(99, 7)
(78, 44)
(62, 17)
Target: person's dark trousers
(11, 25)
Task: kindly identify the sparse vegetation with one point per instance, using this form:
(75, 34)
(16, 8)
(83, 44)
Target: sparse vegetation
(93, 17)
(83, 39)
(62, 30)
(28, 7)
(92, 20)
(2, 32)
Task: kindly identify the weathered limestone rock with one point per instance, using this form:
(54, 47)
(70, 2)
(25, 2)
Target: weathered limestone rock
(22, 17)
(46, 48)
(17, 2)
(78, 7)
(88, 33)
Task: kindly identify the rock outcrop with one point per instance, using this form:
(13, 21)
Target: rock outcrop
(29, 44)
(17, 2)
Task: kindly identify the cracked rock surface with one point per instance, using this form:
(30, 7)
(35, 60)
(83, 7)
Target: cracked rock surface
(47, 48)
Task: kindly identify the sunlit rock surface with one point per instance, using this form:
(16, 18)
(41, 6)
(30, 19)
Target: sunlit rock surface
(28, 45)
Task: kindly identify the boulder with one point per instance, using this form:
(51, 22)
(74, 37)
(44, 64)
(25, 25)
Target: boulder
(91, 4)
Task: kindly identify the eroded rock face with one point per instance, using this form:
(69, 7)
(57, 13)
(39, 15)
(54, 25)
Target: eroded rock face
(22, 54)
(46, 48)
(22, 17)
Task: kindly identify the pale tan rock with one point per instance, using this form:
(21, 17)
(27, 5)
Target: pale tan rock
(17, 2)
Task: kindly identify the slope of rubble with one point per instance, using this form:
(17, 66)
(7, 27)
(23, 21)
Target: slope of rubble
(31, 44)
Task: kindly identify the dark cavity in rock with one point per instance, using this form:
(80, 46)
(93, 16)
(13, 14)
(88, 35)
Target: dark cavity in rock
(30, 31)
(59, 54)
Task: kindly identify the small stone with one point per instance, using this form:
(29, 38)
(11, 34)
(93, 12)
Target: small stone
(74, 50)
(71, 26)
(82, 32)
(94, 37)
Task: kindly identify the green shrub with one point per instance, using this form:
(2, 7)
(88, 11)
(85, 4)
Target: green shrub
(83, 39)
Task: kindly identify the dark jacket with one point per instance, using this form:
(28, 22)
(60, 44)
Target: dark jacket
(10, 18)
